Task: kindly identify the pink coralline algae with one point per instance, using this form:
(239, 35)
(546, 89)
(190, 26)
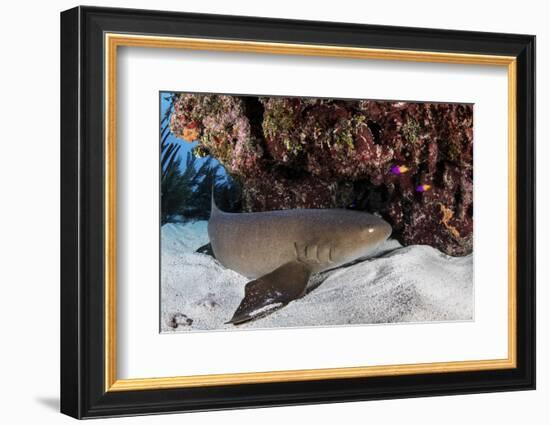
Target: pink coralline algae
(412, 163)
(223, 129)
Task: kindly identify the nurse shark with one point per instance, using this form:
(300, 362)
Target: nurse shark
(281, 250)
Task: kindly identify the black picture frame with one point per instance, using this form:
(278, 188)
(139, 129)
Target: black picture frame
(83, 392)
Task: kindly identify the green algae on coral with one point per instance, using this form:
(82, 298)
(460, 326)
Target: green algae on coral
(411, 130)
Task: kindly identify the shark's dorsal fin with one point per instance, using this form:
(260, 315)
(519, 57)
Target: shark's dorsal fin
(213, 207)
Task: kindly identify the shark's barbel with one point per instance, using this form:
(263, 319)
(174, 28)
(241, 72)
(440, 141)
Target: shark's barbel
(280, 250)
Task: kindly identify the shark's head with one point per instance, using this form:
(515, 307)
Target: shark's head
(358, 235)
(373, 230)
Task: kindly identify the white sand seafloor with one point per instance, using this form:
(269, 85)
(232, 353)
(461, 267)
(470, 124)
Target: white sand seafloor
(399, 284)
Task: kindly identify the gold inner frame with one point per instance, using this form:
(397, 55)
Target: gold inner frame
(112, 41)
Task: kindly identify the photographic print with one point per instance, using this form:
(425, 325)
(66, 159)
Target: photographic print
(281, 212)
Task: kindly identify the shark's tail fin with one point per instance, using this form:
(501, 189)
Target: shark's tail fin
(213, 207)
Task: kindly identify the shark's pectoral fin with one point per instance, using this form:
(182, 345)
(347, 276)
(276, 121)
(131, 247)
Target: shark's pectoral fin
(272, 291)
